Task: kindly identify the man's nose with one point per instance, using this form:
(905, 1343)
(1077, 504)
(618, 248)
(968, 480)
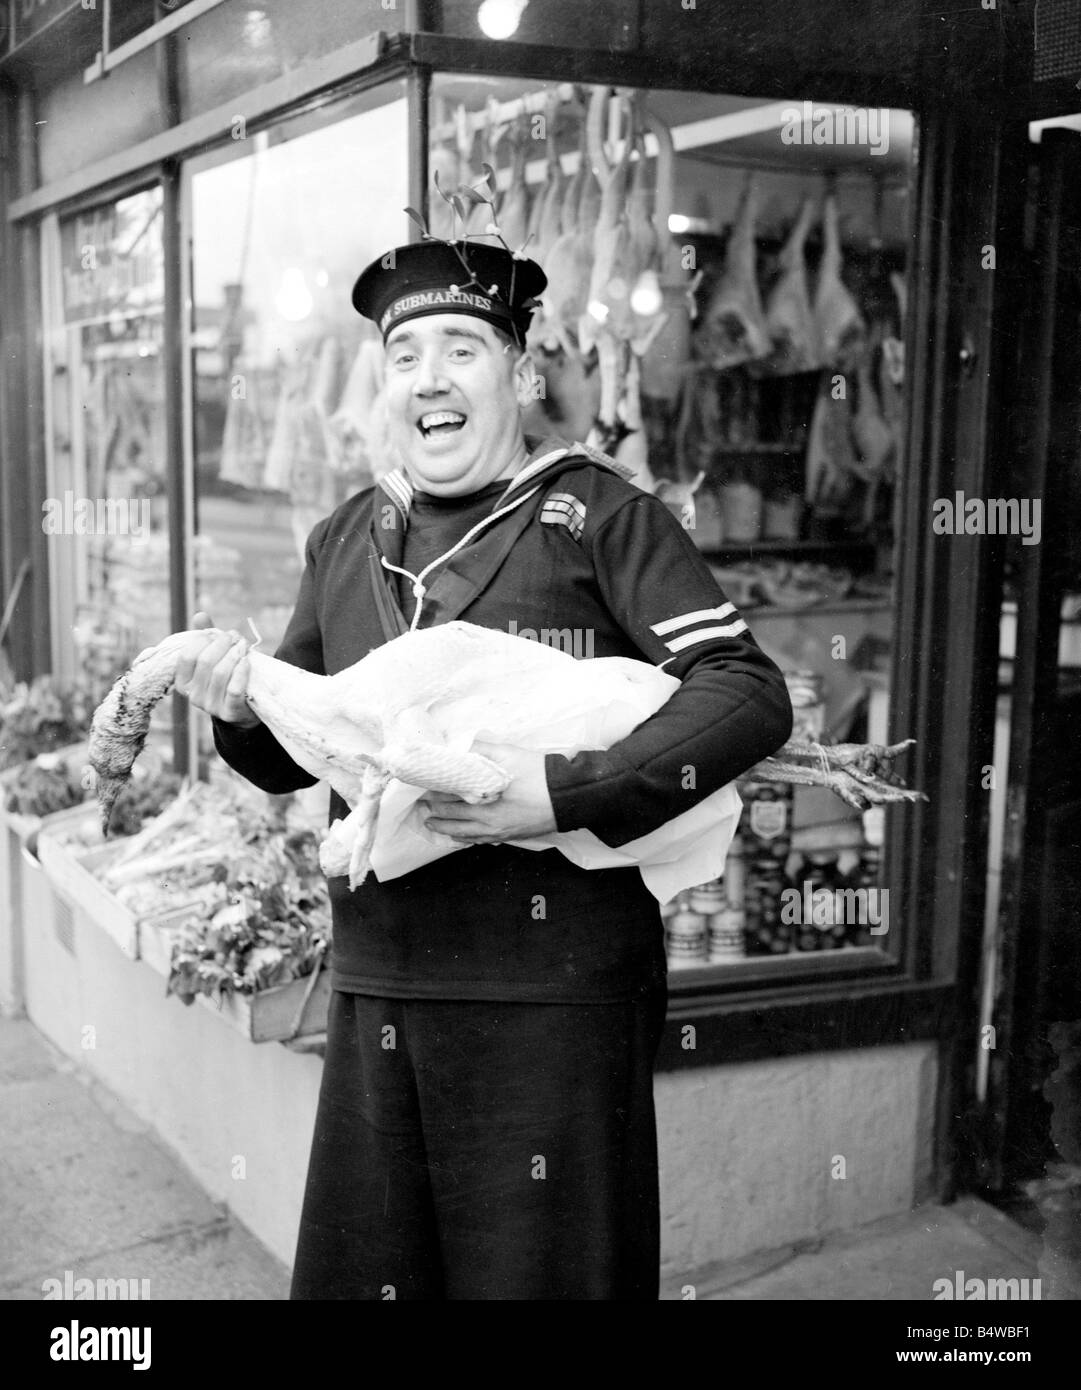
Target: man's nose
(430, 379)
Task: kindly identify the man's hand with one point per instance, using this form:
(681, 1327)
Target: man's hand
(523, 810)
(213, 673)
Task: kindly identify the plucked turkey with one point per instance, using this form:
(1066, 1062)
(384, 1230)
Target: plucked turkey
(404, 718)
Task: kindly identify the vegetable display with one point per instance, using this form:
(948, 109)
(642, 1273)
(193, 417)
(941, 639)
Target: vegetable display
(239, 883)
(42, 717)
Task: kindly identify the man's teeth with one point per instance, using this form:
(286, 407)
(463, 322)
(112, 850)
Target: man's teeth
(441, 417)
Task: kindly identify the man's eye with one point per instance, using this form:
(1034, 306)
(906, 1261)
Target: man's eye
(461, 352)
(404, 359)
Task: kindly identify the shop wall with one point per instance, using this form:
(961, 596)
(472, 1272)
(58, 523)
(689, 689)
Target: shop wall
(750, 1153)
(240, 1115)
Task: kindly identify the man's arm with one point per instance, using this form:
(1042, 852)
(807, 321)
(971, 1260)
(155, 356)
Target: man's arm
(253, 751)
(731, 710)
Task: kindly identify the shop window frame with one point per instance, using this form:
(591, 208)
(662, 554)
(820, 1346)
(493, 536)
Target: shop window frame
(923, 992)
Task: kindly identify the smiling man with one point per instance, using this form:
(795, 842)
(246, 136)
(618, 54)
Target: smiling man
(485, 1126)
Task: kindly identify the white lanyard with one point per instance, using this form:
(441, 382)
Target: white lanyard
(419, 589)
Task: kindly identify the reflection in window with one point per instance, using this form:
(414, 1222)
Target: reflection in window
(286, 374)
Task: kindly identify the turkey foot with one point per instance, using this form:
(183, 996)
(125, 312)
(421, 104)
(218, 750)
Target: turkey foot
(348, 844)
(416, 752)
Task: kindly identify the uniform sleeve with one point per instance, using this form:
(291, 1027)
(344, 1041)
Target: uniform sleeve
(730, 711)
(255, 753)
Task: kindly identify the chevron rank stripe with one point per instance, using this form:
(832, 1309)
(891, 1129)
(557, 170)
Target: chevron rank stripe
(700, 634)
(562, 509)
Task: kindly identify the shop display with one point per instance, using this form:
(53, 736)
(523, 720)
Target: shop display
(839, 325)
(45, 784)
(41, 716)
(734, 327)
(790, 319)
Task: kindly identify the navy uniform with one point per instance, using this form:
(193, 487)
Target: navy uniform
(485, 1125)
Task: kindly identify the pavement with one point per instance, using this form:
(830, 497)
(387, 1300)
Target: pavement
(86, 1188)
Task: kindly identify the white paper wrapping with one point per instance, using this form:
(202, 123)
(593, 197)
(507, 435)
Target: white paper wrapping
(688, 850)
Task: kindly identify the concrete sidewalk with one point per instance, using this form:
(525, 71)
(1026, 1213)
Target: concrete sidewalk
(86, 1188)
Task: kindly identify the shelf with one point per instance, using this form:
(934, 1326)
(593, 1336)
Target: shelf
(841, 605)
(747, 550)
(750, 450)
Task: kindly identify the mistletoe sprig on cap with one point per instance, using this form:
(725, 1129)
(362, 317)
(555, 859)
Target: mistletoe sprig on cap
(463, 200)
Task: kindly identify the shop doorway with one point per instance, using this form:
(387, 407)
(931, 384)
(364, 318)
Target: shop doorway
(1026, 1151)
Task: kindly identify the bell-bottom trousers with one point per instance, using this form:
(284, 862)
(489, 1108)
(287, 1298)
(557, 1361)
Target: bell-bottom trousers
(475, 1150)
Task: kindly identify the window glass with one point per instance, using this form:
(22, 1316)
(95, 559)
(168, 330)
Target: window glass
(602, 24)
(110, 508)
(79, 122)
(752, 302)
(236, 47)
(281, 225)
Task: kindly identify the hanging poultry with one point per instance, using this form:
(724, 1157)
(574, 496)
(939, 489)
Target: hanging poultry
(570, 263)
(873, 437)
(513, 219)
(633, 450)
(610, 322)
(667, 359)
(789, 317)
(545, 219)
(480, 214)
(842, 333)
(831, 462)
(734, 327)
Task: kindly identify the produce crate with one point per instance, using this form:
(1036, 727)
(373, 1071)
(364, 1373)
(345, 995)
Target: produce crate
(269, 1016)
(70, 873)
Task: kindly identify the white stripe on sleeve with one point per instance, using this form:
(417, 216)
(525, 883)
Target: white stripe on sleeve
(704, 634)
(726, 610)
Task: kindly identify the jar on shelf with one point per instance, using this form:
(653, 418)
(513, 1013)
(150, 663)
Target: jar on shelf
(822, 924)
(741, 504)
(686, 937)
(866, 875)
(735, 873)
(708, 533)
(781, 516)
(707, 898)
(765, 828)
(727, 930)
(767, 932)
(806, 690)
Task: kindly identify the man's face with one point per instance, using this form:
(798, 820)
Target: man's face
(454, 397)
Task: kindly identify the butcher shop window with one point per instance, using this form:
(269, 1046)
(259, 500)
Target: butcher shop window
(756, 385)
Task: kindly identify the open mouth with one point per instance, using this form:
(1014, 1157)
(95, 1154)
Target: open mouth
(440, 422)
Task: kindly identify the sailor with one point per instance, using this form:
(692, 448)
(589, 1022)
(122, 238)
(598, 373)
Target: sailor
(485, 1127)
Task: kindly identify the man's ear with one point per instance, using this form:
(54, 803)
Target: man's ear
(526, 380)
